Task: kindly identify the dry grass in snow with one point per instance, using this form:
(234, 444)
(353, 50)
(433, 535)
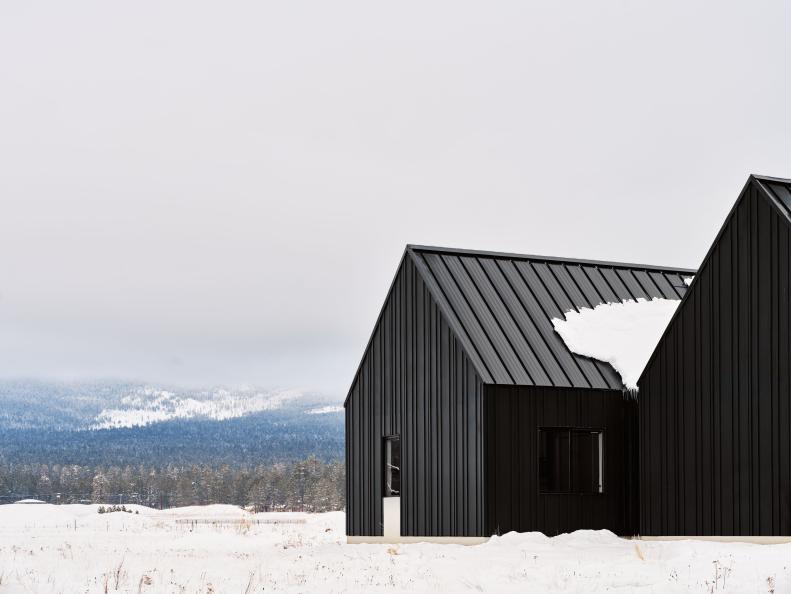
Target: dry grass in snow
(72, 549)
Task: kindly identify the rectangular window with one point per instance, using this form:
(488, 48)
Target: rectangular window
(570, 460)
(392, 486)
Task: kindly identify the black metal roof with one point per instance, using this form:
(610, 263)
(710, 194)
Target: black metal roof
(501, 307)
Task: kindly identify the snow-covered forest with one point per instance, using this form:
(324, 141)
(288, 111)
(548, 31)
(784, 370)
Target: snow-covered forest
(306, 485)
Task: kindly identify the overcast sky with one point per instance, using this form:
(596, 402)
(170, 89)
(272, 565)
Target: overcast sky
(219, 192)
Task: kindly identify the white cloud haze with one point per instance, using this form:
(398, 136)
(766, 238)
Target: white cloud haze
(199, 192)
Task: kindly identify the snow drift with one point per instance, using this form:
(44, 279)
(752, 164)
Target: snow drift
(51, 549)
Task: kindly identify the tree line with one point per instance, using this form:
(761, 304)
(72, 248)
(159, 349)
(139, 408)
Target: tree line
(306, 485)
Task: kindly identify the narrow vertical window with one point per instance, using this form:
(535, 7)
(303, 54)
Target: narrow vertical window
(570, 460)
(392, 466)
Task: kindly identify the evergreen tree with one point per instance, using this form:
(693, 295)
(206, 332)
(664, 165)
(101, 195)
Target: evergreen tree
(99, 488)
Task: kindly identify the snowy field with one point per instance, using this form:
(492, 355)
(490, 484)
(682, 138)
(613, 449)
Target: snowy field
(72, 549)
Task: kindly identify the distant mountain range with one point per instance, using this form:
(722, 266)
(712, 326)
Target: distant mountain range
(122, 423)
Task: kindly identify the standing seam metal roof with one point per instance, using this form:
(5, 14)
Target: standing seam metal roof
(501, 308)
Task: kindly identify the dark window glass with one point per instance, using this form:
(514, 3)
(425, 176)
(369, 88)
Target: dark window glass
(570, 461)
(553, 461)
(392, 487)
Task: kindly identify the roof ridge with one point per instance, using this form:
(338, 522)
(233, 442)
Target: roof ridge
(769, 178)
(513, 256)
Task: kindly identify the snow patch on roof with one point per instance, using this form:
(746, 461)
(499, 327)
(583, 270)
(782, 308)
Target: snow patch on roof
(621, 334)
(688, 280)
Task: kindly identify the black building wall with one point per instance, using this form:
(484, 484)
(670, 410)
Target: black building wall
(514, 416)
(715, 450)
(416, 381)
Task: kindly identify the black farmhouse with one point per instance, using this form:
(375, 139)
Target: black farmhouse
(469, 416)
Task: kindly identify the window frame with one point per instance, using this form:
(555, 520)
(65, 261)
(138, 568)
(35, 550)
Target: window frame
(602, 458)
(386, 490)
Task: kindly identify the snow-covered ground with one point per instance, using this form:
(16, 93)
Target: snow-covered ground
(72, 549)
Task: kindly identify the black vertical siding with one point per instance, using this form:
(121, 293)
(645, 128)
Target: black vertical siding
(514, 416)
(416, 380)
(455, 321)
(715, 453)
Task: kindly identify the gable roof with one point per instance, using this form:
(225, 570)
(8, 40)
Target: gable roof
(777, 192)
(501, 307)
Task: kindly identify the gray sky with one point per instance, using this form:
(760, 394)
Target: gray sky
(196, 192)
